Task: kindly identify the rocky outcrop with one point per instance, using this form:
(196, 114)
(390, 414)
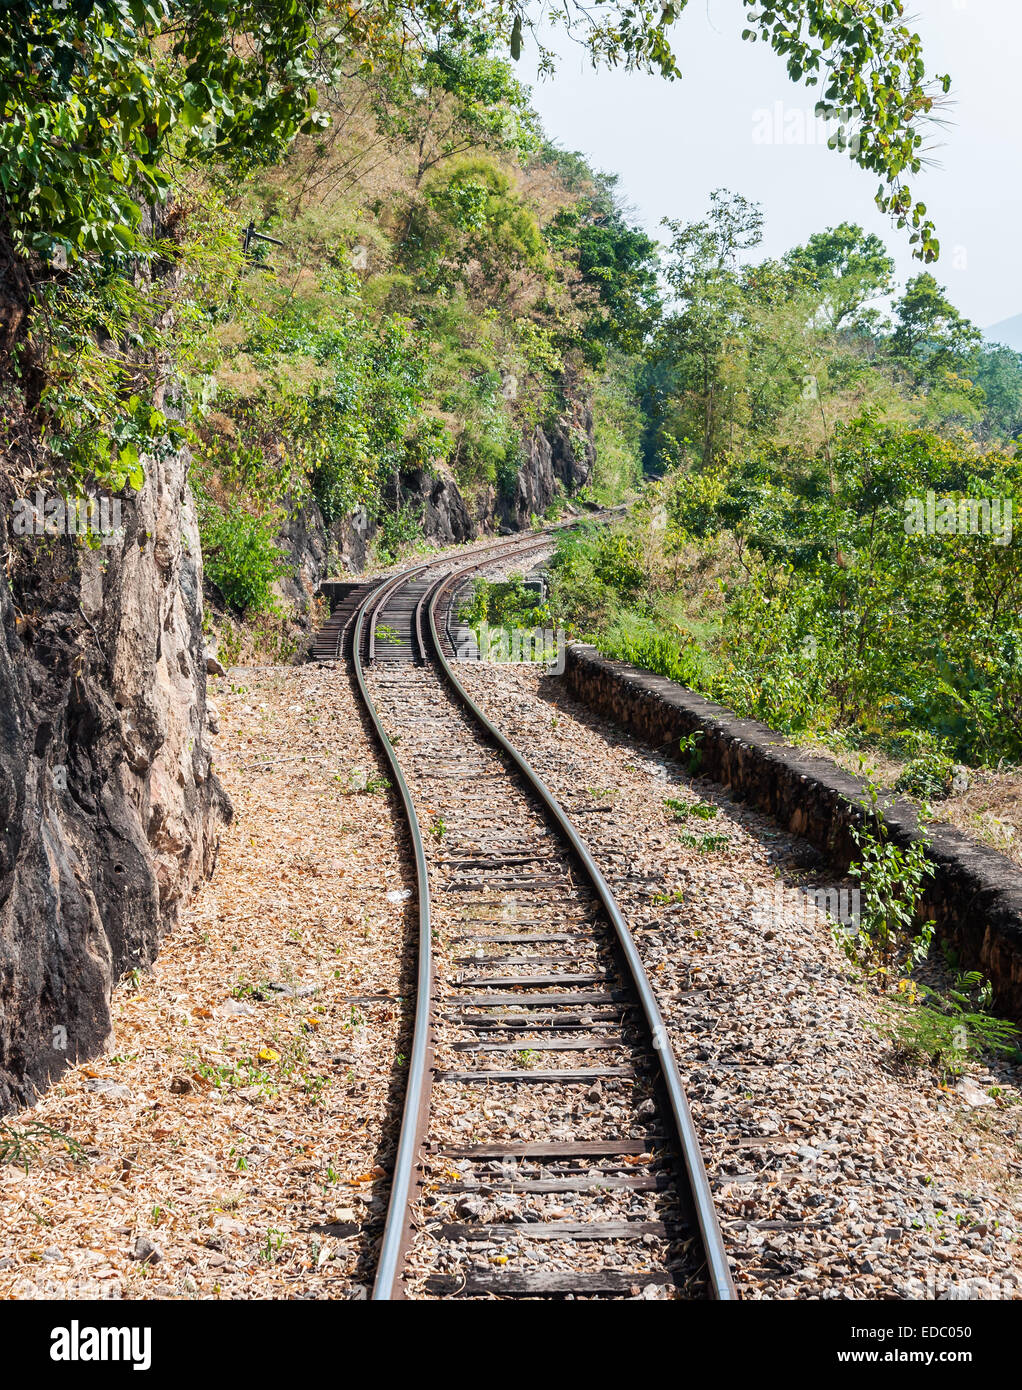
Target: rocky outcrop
(109, 808)
(558, 461)
(317, 549)
(445, 516)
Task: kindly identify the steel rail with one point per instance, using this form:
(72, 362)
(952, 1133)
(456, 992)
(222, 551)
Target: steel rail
(721, 1283)
(416, 1103)
(390, 586)
(415, 1110)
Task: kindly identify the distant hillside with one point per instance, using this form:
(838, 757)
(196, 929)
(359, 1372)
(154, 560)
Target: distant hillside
(1008, 331)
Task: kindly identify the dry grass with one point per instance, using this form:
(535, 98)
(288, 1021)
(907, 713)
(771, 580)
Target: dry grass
(990, 811)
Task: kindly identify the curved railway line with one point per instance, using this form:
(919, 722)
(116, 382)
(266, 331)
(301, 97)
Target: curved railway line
(546, 1144)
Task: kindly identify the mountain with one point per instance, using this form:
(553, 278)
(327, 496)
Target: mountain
(1008, 331)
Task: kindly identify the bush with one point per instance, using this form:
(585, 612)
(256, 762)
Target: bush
(504, 603)
(947, 1032)
(241, 555)
(827, 606)
(398, 530)
(927, 776)
(638, 640)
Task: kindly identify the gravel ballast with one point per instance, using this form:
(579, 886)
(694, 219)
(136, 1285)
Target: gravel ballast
(839, 1173)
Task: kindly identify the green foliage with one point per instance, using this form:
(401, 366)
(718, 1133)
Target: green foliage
(95, 423)
(616, 260)
(241, 555)
(447, 283)
(998, 374)
(102, 333)
(868, 64)
(25, 1144)
(947, 1031)
(470, 215)
(846, 268)
(809, 448)
(892, 878)
(701, 339)
(704, 844)
(316, 394)
(638, 640)
(875, 80)
(98, 94)
(682, 810)
(836, 610)
(927, 776)
(619, 425)
(398, 530)
(931, 336)
(503, 603)
(458, 97)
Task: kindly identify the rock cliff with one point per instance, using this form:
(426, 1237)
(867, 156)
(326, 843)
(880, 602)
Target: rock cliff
(557, 460)
(109, 807)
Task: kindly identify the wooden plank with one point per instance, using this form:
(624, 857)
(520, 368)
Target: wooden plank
(554, 1230)
(590, 1044)
(506, 1022)
(485, 861)
(510, 939)
(538, 1283)
(541, 1001)
(593, 1178)
(583, 919)
(524, 981)
(531, 1074)
(571, 906)
(574, 1148)
(516, 1028)
(529, 885)
(478, 960)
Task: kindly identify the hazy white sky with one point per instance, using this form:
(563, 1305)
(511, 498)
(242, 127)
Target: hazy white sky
(673, 143)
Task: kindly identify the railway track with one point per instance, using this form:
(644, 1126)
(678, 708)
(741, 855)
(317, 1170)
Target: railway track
(546, 1146)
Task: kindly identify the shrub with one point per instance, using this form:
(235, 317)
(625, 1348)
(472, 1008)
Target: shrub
(241, 555)
(949, 1031)
(927, 776)
(892, 881)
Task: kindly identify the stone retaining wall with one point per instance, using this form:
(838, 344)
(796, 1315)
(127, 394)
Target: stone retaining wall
(975, 895)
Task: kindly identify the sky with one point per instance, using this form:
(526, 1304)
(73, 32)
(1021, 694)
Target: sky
(735, 121)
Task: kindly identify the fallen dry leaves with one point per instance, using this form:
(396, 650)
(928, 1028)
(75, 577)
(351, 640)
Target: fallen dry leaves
(235, 1136)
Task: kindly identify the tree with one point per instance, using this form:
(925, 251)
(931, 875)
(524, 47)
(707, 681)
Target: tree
(101, 95)
(615, 259)
(703, 337)
(932, 339)
(848, 268)
(867, 62)
(452, 100)
(470, 222)
(999, 374)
